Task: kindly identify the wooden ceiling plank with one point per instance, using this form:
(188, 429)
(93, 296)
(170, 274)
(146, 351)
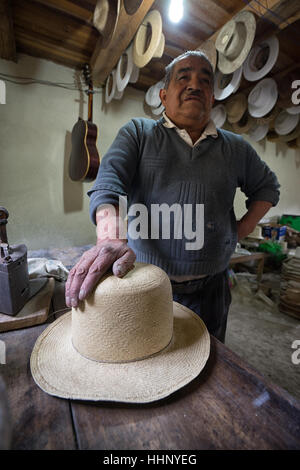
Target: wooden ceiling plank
(44, 49)
(104, 60)
(58, 29)
(7, 36)
(82, 10)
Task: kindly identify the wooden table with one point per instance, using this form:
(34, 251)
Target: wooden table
(257, 256)
(228, 406)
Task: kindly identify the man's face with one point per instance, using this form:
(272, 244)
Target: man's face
(189, 96)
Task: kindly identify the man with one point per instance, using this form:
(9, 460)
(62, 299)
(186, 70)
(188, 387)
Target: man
(181, 161)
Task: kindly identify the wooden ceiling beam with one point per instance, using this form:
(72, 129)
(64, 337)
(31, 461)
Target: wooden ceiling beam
(7, 36)
(265, 10)
(81, 10)
(104, 60)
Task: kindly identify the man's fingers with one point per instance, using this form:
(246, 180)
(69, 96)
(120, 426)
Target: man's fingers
(124, 264)
(76, 277)
(96, 271)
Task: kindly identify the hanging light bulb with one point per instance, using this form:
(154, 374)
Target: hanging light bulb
(176, 10)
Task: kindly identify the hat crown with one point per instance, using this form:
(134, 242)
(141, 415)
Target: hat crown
(125, 319)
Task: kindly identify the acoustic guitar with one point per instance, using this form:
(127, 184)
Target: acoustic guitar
(84, 160)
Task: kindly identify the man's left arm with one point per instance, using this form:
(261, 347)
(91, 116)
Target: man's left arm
(260, 185)
(255, 213)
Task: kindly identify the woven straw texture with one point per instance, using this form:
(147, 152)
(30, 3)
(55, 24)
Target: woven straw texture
(175, 341)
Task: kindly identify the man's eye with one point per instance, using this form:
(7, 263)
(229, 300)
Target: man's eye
(182, 77)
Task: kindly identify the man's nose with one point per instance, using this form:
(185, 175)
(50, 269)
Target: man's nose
(194, 84)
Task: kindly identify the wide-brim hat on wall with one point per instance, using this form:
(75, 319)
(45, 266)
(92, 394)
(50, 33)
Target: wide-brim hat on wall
(269, 118)
(218, 115)
(235, 107)
(244, 124)
(262, 98)
(105, 19)
(128, 342)
(143, 53)
(285, 123)
(123, 74)
(261, 59)
(274, 137)
(226, 84)
(152, 97)
(111, 91)
(258, 132)
(209, 49)
(234, 41)
(293, 110)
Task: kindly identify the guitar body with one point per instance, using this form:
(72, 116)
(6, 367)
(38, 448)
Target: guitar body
(84, 160)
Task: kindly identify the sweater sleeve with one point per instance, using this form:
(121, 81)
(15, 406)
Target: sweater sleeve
(256, 180)
(117, 169)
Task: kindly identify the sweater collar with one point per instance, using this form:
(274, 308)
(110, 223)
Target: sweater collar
(210, 130)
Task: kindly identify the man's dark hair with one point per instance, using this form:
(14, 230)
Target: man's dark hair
(169, 68)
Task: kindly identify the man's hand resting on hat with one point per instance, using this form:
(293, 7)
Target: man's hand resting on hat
(111, 250)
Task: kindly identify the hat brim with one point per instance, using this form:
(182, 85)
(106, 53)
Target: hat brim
(59, 370)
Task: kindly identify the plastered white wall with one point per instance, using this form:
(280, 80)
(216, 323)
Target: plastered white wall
(46, 208)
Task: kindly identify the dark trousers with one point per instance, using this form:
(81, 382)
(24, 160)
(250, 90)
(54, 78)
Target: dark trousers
(209, 297)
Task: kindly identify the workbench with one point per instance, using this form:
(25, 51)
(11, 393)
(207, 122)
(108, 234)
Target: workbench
(228, 406)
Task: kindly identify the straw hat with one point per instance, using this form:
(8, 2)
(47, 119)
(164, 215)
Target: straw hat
(244, 124)
(218, 115)
(209, 49)
(141, 57)
(235, 40)
(285, 122)
(127, 342)
(269, 117)
(261, 59)
(226, 84)
(152, 97)
(111, 91)
(262, 98)
(274, 137)
(235, 106)
(105, 19)
(258, 132)
(123, 77)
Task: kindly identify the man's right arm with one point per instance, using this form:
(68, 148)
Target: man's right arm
(111, 251)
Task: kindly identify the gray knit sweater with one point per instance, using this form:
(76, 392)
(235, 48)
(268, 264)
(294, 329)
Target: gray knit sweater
(150, 164)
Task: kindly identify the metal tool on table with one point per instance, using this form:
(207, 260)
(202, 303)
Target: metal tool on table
(14, 277)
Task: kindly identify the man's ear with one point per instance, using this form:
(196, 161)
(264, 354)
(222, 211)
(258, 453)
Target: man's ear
(162, 95)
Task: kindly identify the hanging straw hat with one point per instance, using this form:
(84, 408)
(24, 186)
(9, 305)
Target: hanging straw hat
(262, 98)
(268, 118)
(127, 342)
(235, 40)
(258, 132)
(218, 115)
(209, 49)
(235, 107)
(285, 122)
(272, 136)
(105, 19)
(244, 124)
(226, 84)
(155, 48)
(261, 59)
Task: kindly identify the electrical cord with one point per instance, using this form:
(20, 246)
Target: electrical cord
(31, 81)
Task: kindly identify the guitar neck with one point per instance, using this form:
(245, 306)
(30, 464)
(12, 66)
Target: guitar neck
(90, 103)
